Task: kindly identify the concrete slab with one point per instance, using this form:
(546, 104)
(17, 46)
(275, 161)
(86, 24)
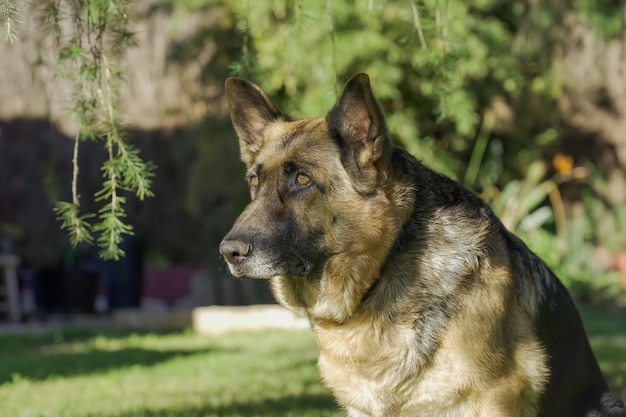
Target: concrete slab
(220, 319)
(204, 320)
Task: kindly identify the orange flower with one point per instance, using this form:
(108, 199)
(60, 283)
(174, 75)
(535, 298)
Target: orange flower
(563, 164)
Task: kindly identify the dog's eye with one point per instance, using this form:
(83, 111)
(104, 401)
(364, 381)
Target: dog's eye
(254, 181)
(303, 180)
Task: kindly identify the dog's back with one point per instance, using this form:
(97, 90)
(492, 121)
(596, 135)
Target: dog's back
(574, 384)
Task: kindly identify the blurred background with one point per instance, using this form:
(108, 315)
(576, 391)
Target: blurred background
(523, 102)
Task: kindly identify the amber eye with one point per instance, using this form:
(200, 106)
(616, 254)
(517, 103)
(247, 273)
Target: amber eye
(303, 180)
(254, 181)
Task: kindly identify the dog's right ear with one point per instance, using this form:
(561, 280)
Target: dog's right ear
(251, 110)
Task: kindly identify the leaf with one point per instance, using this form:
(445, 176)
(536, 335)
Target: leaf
(77, 226)
(536, 219)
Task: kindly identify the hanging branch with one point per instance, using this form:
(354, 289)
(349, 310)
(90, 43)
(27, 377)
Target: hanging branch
(100, 31)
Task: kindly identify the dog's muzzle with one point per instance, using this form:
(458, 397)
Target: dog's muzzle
(256, 261)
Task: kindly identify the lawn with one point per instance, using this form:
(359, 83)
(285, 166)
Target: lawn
(84, 373)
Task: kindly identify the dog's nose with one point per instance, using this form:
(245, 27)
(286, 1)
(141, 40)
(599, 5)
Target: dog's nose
(234, 250)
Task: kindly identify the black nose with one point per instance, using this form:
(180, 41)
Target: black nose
(234, 250)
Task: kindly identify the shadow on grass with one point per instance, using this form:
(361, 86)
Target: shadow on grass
(34, 357)
(304, 405)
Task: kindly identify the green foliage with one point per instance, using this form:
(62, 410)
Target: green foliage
(9, 13)
(84, 57)
(604, 221)
(571, 256)
(435, 66)
(533, 209)
(77, 225)
(520, 205)
(607, 17)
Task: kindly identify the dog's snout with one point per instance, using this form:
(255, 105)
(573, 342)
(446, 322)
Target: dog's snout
(234, 250)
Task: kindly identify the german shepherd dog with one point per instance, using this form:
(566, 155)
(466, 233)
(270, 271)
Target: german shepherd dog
(421, 302)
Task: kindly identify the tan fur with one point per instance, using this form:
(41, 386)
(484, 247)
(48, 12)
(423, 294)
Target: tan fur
(470, 374)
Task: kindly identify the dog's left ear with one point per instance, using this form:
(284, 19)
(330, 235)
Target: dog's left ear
(359, 122)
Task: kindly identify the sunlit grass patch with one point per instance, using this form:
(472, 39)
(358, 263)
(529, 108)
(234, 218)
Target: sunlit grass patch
(178, 375)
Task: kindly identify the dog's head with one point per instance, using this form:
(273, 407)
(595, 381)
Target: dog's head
(317, 185)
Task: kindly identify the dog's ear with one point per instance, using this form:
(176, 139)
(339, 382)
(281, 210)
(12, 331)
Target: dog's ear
(358, 120)
(251, 110)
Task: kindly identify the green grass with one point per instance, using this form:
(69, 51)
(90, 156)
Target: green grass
(272, 373)
(607, 333)
(179, 375)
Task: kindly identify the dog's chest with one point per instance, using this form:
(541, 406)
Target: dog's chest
(369, 367)
(381, 372)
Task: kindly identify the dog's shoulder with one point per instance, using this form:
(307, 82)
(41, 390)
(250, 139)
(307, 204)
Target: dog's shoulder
(450, 231)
